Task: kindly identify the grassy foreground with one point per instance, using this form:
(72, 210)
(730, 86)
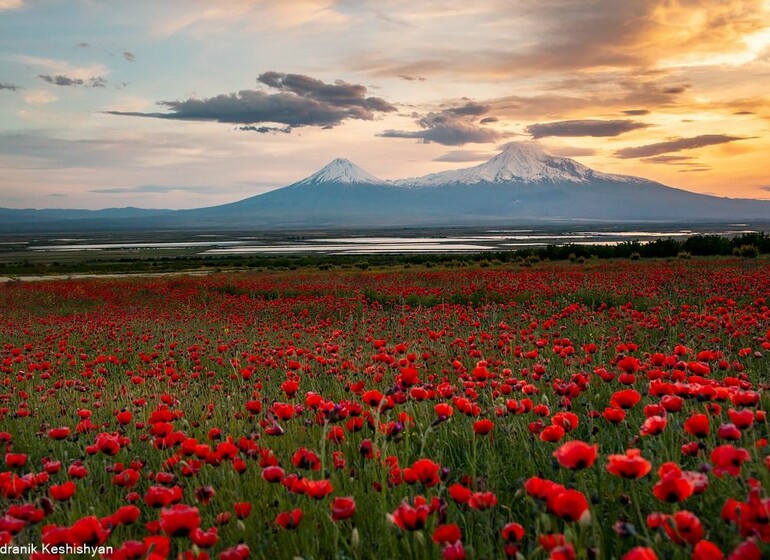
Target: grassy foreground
(597, 410)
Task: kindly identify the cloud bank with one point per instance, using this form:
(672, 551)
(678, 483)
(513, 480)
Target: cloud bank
(300, 101)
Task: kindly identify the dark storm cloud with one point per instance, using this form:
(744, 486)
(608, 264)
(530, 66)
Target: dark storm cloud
(677, 145)
(636, 112)
(596, 128)
(339, 94)
(300, 101)
(265, 129)
(61, 80)
(9, 87)
(66, 81)
(470, 109)
(453, 126)
(448, 135)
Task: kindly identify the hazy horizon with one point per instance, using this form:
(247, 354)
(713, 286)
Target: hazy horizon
(158, 105)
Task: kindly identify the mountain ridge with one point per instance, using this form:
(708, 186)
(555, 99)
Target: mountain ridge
(523, 183)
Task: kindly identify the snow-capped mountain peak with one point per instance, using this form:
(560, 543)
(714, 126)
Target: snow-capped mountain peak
(519, 162)
(341, 170)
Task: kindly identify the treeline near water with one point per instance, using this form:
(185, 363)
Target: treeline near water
(747, 245)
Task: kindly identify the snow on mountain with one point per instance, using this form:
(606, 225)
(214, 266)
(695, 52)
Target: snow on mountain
(341, 170)
(520, 162)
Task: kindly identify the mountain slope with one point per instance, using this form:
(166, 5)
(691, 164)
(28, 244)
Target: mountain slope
(522, 184)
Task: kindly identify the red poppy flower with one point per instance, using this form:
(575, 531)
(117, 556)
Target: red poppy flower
(77, 470)
(631, 465)
(567, 420)
(684, 527)
(108, 444)
(571, 505)
(706, 550)
(444, 410)
(728, 459)
(289, 519)
(563, 552)
(483, 427)
(306, 459)
(62, 492)
(512, 532)
(125, 515)
(729, 432)
(273, 474)
(640, 553)
(741, 418)
(15, 460)
(697, 425)
(373, 398)
(59, 433)
(242, 509)
(614, 415)
(460, 494)
(317, 489)
(747, 550)
(653, 426)
(237, 552)
(625, 399)
(482, 500)
(576, 455)
(180, 520)
(454, 551)
(552, 434)
(672, 487)
(343, 508)
(204, 539)
(411, 517)
(88, 530)
(447, 534)
(424, 471)
(160, 496)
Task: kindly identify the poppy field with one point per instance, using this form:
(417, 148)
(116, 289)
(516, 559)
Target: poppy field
(563, 411)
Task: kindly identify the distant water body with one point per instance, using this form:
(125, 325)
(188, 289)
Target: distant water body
(490, 240)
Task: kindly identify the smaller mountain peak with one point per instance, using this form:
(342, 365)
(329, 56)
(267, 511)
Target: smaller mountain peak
(341, 170)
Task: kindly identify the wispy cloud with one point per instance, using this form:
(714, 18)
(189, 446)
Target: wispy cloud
(676, 145)
(11, 4)
(461, 156)
(153, 189)
(38, 97)
(10, 87)
(58, 67)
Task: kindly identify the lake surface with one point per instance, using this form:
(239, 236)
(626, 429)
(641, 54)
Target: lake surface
(454, 242)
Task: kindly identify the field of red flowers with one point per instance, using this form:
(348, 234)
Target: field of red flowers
(561, 411)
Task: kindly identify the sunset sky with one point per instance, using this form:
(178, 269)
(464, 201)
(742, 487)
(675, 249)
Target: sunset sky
(171, 104)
